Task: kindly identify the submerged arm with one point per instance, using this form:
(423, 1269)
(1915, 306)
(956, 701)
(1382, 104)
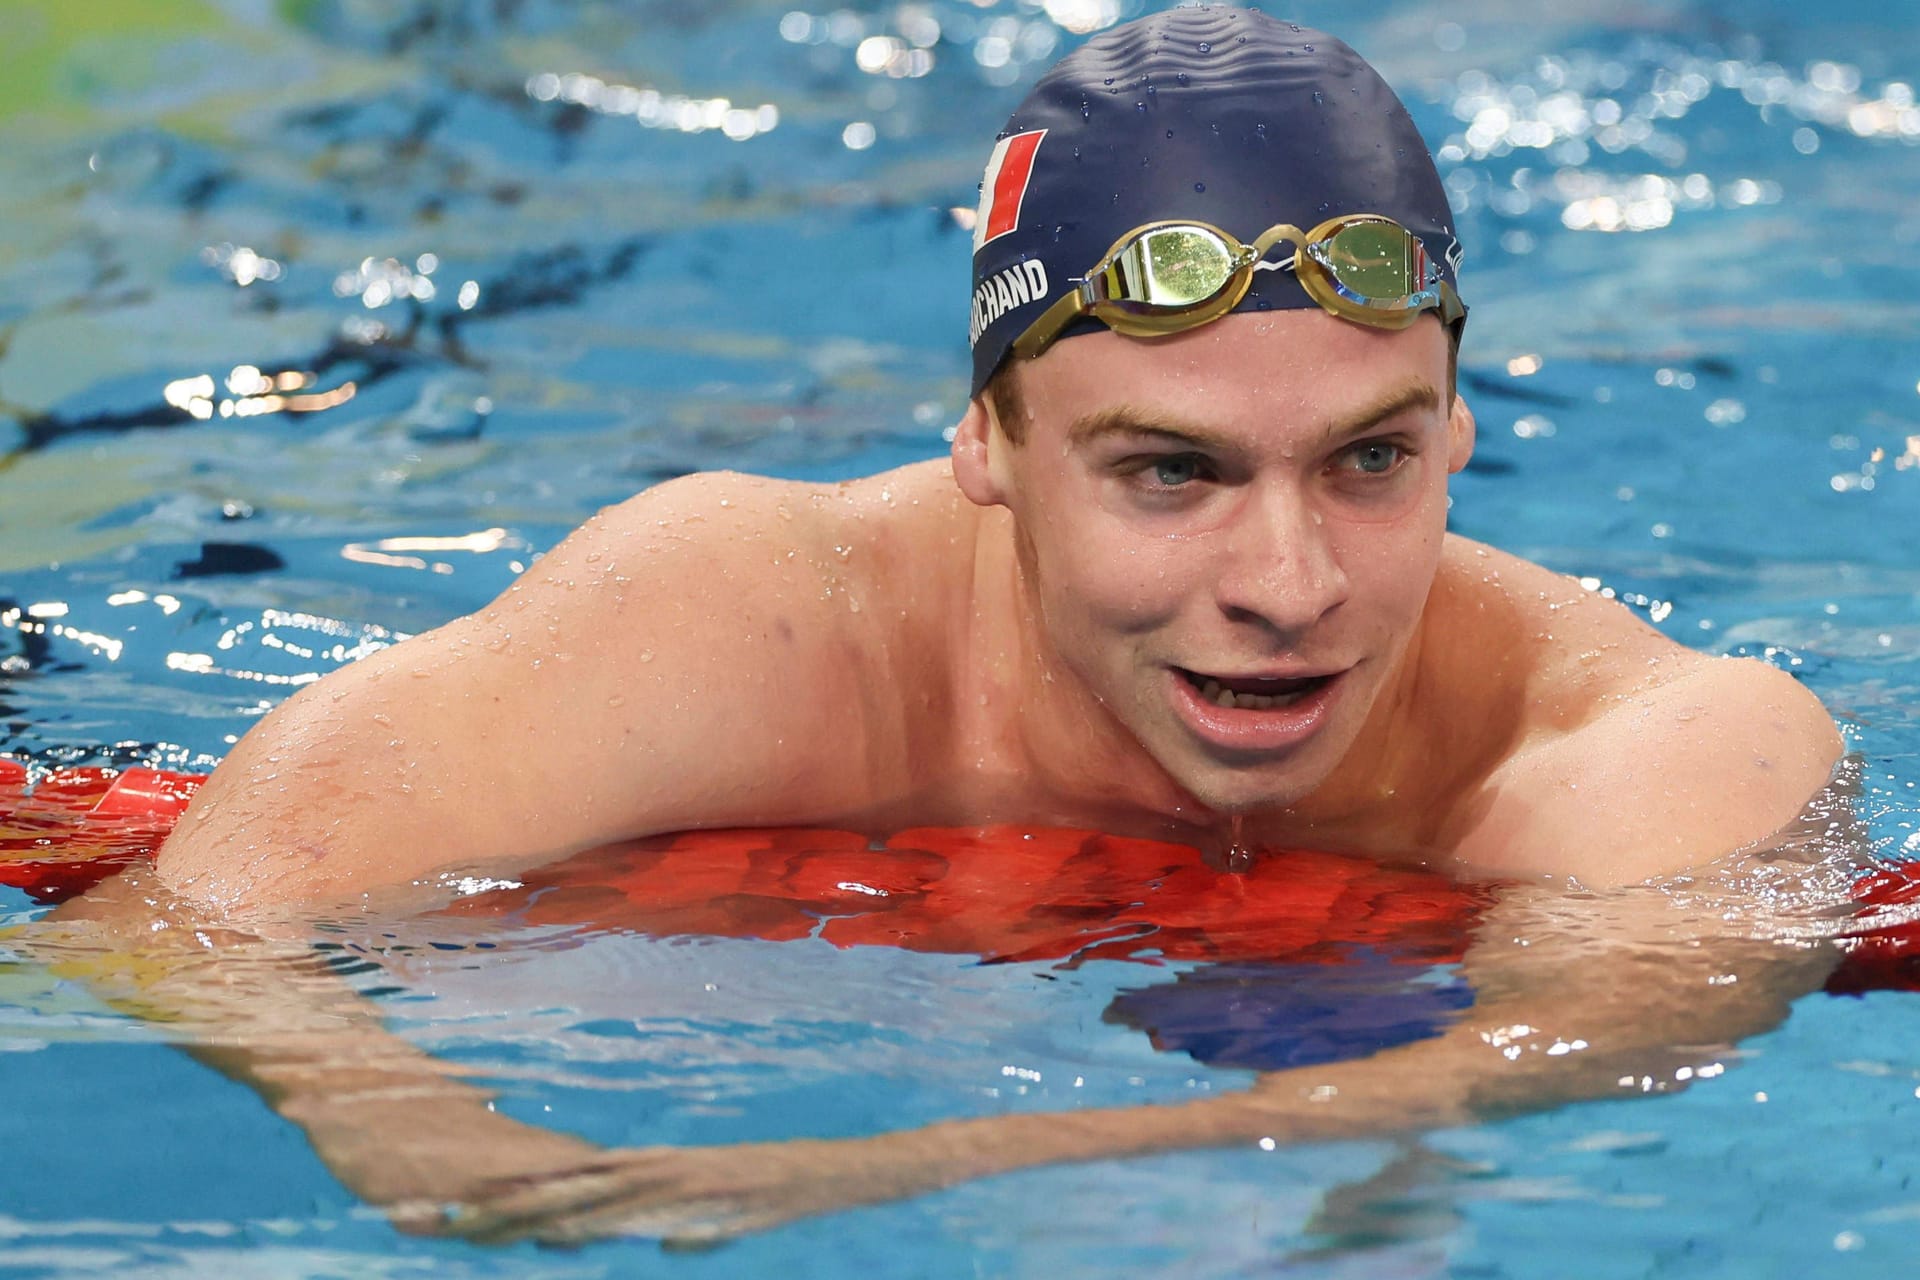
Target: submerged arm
(260, 1004)
(1581, 996)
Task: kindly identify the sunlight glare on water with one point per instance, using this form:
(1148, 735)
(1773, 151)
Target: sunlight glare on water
(320, 322)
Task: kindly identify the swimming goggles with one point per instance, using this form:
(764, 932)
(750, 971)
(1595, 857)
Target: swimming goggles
(1168, 276)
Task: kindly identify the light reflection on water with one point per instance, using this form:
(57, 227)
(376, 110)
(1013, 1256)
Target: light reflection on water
(547, 288)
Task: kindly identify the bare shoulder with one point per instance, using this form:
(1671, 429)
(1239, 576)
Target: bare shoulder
(1632, 755)
(677, 661)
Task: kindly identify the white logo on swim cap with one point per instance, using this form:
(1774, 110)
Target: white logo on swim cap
(1001, 292)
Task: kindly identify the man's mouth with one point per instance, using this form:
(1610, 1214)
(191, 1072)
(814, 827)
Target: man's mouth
(1253, 693)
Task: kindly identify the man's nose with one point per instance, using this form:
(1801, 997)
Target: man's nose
(1281, 568)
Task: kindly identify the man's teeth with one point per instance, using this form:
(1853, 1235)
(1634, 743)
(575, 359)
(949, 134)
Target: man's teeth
(1212, 691)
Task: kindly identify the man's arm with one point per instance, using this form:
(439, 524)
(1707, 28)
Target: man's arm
(1718, 756)
(1626, 994)
(256, 1001)
(674, 663)
(1597, 747)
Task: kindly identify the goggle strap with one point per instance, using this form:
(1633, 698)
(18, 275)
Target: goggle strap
(1052, 323)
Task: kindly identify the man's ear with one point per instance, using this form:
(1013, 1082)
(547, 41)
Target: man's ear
(977, 442)
(1460, 433)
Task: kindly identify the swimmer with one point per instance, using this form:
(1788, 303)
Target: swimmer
(1187, 567)
(1185, 575)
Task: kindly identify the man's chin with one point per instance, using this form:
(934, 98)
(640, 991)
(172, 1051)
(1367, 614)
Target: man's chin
(1228, 789)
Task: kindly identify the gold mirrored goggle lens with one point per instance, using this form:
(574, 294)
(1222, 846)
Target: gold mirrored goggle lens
(1374, 263)
(1170, 268)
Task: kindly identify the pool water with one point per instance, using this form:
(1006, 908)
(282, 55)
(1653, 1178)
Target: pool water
(320, 318)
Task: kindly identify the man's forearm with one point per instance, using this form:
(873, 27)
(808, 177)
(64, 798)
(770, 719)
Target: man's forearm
(398, 1125)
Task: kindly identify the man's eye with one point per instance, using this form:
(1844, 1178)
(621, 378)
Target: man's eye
(1176, 470)
(1374, 457)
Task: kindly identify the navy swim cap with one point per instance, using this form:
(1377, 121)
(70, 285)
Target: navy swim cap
(1218, 114)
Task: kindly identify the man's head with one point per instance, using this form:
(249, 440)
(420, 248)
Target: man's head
(1229, 529)
(1226, 121)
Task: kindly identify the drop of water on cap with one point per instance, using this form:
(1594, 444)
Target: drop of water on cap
(1260, 132)
(1199, 186)
(1181, 76)
(1108, 80)
(1139, 106)
(1205, 47)
(1169, 133)
(1319, 99)
(1307, 47)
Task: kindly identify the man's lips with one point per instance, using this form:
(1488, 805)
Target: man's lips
(1254, 712)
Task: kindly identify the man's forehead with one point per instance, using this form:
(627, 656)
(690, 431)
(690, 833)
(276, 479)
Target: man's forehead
(1192, 424)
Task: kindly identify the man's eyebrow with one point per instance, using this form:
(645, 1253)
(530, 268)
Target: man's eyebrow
(1130, 420)
(1393, 402)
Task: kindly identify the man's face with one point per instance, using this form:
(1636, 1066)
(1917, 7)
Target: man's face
(1231, 533)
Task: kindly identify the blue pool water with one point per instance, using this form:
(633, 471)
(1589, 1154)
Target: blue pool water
(522, 268)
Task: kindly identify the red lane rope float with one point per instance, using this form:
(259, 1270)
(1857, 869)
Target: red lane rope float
(1003, 893)
(78, 826)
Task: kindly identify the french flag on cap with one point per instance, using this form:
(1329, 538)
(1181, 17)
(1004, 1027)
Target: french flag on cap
(1005, 186)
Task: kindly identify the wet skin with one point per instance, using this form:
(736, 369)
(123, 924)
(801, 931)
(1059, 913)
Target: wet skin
(1035, 632)
(1256, 501)
(1183, 527)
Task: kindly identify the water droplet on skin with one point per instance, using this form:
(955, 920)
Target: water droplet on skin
(1239, 859)
(646, 655)
(616, 701)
